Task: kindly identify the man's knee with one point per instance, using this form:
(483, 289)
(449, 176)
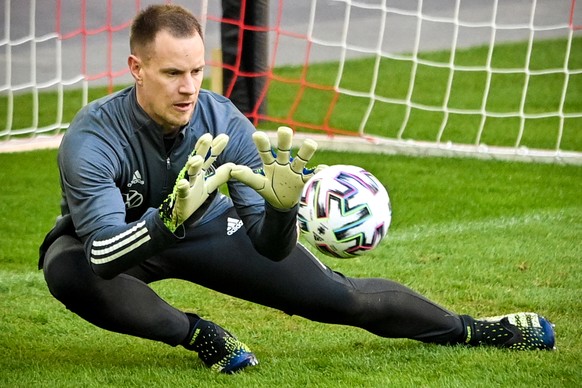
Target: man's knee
(66, 270)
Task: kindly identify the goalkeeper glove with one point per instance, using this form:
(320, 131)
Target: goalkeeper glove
(282, 177)
(189, 194)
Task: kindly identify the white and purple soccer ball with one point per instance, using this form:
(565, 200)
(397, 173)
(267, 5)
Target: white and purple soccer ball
(344, 211)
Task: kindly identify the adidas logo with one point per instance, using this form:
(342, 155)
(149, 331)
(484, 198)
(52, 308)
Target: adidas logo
(136, 179)
(232, 225)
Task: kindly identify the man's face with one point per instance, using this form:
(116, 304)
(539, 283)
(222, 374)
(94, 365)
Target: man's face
(168, 76)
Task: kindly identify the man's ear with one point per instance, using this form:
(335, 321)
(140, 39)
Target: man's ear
(135, 68)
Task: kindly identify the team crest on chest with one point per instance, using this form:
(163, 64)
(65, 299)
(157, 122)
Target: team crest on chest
(132, 199)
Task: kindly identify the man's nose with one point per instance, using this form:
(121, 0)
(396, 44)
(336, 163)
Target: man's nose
(188, 85)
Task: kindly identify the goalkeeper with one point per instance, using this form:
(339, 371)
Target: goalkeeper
(139, 173)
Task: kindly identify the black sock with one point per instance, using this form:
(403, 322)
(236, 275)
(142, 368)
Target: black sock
(469, 325)
(190, 338)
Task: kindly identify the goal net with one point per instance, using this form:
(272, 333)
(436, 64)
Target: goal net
(481, 78)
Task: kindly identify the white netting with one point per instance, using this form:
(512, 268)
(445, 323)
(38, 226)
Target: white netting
(390, 32)
(400, 75)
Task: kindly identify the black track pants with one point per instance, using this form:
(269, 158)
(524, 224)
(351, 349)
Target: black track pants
(299, 285)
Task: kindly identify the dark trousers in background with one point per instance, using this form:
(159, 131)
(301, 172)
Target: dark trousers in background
(246, 92)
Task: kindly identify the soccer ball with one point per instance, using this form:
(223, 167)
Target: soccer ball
(344, 211)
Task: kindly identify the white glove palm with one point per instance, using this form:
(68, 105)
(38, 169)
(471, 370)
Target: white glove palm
(282, 178)
(189, 194)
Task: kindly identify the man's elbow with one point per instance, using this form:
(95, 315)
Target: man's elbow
(275, 253)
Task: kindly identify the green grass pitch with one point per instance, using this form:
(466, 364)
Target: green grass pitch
(480, 237)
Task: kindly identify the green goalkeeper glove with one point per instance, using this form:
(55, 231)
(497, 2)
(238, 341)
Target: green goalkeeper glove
(282, 177)
(189, 194)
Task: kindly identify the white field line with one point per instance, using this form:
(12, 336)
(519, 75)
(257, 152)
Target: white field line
(419, 232)
(8, 279)
(571, 216)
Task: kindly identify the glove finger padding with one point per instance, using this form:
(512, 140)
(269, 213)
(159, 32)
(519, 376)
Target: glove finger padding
(182, 188)
(203, 146)
(304, 154)
(220, 177)
(263, 145)
(189, 194)
(247, 176)
(282, 178)
(193, 166)
(284, 141)
(218, 145)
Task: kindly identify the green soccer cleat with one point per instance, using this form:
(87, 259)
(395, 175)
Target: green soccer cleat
(220, 350)
(518, 331)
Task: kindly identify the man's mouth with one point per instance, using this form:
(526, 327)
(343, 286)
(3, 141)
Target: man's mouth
(183, 106)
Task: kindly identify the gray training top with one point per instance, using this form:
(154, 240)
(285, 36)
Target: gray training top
(116, 168)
